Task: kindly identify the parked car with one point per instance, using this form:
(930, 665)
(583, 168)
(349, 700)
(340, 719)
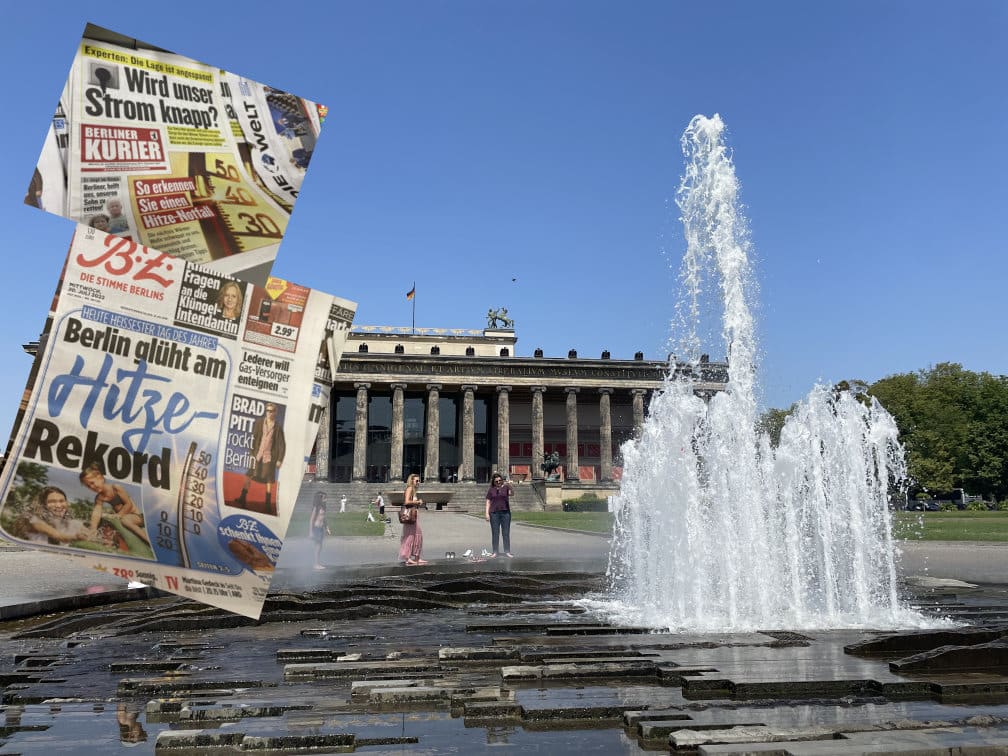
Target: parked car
(924, 506)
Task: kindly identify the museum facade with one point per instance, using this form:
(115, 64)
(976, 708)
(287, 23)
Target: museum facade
(454, 405)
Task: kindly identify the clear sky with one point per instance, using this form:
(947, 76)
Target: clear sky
(472, 143)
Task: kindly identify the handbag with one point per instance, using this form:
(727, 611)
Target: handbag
(407, 515)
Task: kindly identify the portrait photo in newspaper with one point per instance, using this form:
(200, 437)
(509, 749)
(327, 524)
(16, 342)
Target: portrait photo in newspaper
(155, 437)
(175, 154)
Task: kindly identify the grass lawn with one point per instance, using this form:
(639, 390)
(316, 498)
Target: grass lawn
(596, 522)
(346, 524)
(951, 526)
(910, 526)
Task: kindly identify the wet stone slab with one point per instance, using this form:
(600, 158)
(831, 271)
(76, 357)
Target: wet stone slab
(435, 662)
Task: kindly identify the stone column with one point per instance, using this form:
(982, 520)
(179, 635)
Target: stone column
(537, 431)
(395, 463)
(605, 434)
(638, 410)
(503, 430)
(360, 433)
(468, 472)
(571, 463)
(432, 438)
(322, 444)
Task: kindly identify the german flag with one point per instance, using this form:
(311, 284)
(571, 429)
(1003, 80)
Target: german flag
(410, 294)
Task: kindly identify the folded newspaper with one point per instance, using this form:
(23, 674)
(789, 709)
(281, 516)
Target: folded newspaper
(170, 414)
(175, 154)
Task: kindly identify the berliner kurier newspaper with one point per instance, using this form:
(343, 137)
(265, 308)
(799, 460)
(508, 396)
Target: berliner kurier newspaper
(176, 155)
(172, 410)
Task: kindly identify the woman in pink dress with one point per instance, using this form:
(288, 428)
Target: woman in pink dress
(411, 544)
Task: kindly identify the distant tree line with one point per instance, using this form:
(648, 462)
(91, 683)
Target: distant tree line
(953, 423)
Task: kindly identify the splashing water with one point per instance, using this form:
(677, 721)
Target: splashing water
(715, 529)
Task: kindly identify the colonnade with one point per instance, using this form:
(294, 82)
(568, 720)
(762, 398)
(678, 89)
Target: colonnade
(466, 470)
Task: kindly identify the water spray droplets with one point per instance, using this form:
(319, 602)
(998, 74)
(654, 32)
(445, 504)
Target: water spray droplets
(716, 530)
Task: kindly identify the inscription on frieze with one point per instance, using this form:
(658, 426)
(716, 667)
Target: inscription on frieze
(518, 370)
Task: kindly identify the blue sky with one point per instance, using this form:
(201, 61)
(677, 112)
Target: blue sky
(472, 143)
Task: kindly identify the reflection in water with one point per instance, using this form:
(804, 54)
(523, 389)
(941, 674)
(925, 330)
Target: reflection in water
(498, 735)
(130, 730)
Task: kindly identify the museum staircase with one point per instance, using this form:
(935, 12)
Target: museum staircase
(440, 497)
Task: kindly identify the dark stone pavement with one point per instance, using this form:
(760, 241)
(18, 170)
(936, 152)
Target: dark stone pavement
(491, 656)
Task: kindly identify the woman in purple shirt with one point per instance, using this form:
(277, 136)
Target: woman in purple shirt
(498, 512)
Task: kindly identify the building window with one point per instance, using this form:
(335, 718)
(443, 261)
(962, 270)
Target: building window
(379, 439)
(341, 464)
(482, 461)
(414, 423)
(450, 435)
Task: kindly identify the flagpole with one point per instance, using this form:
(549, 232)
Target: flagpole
(414, 308)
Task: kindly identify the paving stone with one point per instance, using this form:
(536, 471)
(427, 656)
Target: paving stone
(579, 713)
(341, 742)
(988, 657)
(580, 670)
(492, 709)
(798, 689)
(477, 654)
(196, 740)
(632, 717)
(484, 694)
(907, 643)
(555, 654)
(233, 713)
(659, 728)
(978, 687)
(579, 684)
(595, 629)
(692, 739)
(353, 669)
(363, 688)
(665, 730)
(155, 686)
(923, 742)
(673, 674)
(307, 655)
(145, 666)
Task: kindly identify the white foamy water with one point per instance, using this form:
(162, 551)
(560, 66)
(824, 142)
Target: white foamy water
(717, 531)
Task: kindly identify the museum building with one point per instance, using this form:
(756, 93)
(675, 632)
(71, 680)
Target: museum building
(454, 405)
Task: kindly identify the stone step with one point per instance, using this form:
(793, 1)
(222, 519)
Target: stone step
(461, 497)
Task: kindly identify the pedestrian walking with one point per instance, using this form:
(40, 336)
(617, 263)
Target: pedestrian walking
(318, 527)
(498, 513)
(342, 504)
(411, 542)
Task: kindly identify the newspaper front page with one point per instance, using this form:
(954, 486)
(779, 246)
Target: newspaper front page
(177, 155)
(172, 410)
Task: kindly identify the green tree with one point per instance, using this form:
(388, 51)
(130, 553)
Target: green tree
(772, 421)
(954, 425)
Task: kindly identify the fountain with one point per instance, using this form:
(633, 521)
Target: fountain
(716, 529)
